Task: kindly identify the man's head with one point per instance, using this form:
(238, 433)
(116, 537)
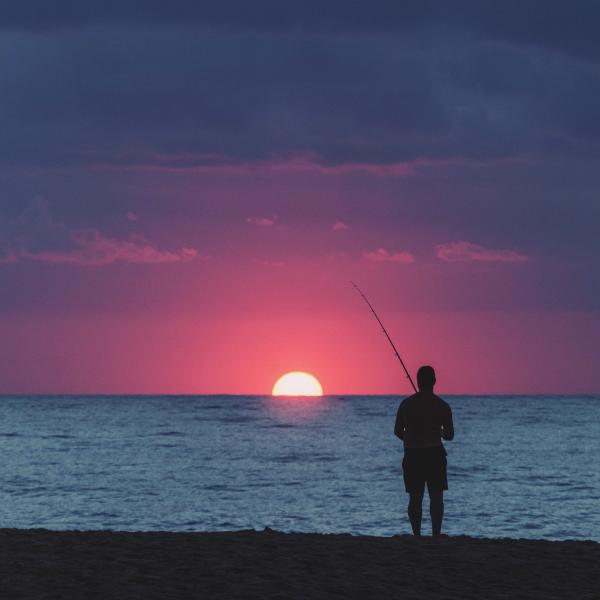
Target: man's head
(426, 378)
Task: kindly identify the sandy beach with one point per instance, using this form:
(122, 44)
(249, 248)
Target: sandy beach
(40, 564)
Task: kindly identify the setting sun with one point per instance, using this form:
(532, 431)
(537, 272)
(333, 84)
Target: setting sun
(297, 383)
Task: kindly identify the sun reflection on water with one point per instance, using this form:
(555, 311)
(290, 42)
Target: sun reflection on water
(293, 409)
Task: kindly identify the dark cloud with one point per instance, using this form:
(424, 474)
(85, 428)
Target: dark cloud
(566, 26)
(112, 96)
(174, 100)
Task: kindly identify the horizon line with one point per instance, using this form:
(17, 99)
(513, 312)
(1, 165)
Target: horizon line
(267, 395)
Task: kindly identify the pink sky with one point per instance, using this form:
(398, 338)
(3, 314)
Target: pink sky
(205, 298)
(185, 195)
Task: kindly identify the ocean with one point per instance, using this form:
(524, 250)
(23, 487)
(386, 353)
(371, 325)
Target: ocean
(520, 466)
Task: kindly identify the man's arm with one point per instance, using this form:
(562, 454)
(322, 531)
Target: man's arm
(448, 425)
(399, 426)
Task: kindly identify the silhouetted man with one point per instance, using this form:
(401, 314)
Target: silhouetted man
(422, 421)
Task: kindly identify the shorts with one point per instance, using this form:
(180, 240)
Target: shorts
(422, 466)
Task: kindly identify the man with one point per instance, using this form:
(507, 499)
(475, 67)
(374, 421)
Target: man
(422, 421)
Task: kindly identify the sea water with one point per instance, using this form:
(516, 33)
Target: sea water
(519, 466)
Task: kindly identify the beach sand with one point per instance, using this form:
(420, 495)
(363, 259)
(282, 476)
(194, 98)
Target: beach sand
(247, 564)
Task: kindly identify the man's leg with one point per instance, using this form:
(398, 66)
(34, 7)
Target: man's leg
(415, 512)
(436, 510)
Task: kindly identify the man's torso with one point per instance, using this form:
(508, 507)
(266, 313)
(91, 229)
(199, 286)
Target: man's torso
(423, 416)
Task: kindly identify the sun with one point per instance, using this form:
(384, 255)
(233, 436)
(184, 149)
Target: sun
(297, 383)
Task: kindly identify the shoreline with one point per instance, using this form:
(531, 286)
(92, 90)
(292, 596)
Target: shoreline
(38, 563)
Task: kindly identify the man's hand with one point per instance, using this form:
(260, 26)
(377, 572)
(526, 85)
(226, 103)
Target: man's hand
(448, 433)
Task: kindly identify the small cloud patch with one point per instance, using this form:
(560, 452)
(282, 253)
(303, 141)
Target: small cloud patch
(261, 221)
(339, 226)
(277, 264)
(463, 251)
(383, 255)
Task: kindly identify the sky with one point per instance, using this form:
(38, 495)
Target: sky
(186, 190)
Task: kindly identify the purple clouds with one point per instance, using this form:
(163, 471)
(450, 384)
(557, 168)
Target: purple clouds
(36, 236)
(383, 255)
(463, 251)
(261, 221)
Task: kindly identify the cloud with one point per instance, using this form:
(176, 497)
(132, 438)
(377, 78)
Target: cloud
(215, 100)
(36, 236)
(566, 26)
(463, 251)
(131, 216)
(223, 97)
(278, 264)
(7, 257)
(383, 255)
(261, 221)
(91, 248)
(339, 226)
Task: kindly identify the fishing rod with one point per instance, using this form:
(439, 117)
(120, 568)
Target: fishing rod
(386, 334)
